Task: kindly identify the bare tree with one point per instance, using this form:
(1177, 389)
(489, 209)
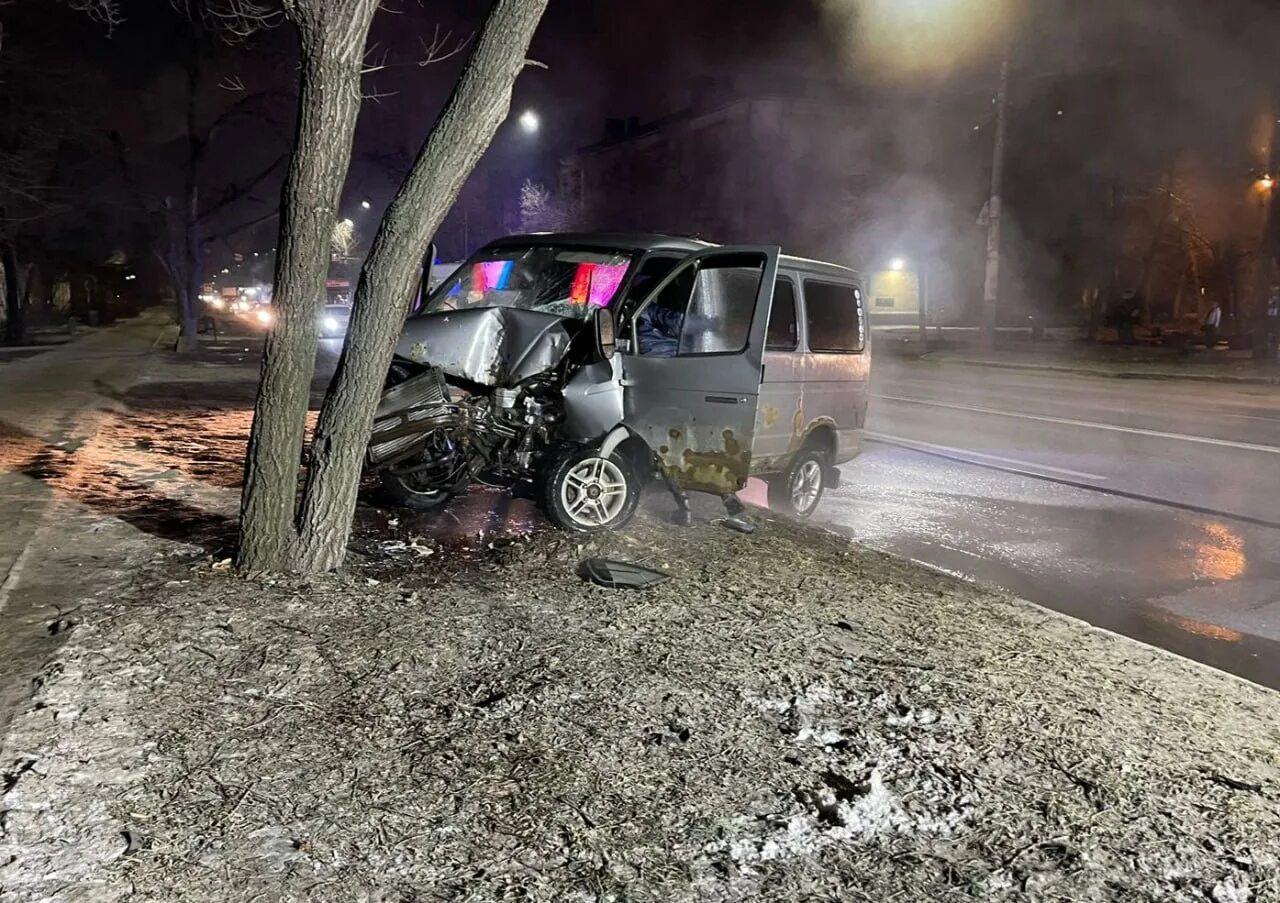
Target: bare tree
(37, 117)
(191, 212)
(540, 209)
(276, 532)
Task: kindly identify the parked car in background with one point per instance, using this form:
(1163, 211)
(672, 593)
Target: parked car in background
(589, 363)
(334, 320)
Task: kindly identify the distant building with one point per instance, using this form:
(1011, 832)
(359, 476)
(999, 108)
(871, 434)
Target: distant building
(767, 170)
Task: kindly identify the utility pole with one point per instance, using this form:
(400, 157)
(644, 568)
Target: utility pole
(1262, 325)
(922, 296)
(991, 286)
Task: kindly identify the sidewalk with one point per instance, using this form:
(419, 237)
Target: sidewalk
(1119, 362)
(790, 717)
(52, 411)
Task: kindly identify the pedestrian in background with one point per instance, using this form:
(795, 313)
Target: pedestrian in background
(1130, 311)
(1273, 323)
(1212, 323)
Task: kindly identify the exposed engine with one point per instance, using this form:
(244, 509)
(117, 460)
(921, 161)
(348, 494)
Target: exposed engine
(434, 436)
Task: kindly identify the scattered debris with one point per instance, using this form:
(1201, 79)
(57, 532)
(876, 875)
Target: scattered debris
(401, 547)
(133, 841)
(619, 574)
(1227, 781)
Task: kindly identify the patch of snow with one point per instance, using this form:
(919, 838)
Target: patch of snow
(798, 714)
(1232, 889)
(823, 737)
(914, 718)
(877, 813)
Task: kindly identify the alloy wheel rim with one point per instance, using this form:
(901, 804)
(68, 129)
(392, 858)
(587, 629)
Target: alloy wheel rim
(805, 486)
(594, 492)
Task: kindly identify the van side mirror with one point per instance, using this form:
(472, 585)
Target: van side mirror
(606, 335)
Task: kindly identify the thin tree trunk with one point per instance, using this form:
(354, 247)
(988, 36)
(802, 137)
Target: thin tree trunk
(480, 102)
(332, 41)
(189, 247)
(1149, 259)
(192, 271)
(15, 332)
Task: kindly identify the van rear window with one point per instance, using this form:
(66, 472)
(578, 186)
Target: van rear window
(834, 317)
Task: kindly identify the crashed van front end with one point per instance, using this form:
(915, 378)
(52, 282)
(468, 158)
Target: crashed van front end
(504, 368)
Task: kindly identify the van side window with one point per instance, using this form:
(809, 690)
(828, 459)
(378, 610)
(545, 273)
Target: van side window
(784, 334)
(834, 317)
(704, 310)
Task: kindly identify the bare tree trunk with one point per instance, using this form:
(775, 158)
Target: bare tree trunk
(480, 102)
(192, 270)
(332, 38)
(1268, 253)
(1149, 259)
(15, 331)
(187, 244)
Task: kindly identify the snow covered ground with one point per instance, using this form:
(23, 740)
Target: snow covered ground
(788, 718)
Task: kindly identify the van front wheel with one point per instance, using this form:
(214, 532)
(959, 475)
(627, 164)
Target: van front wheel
(798, 491)
(585, 493)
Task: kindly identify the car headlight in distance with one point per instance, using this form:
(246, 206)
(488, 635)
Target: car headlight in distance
(264, 317)
(331, 324)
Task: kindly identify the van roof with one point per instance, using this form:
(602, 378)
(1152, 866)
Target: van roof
(640, 241)
(655, 241)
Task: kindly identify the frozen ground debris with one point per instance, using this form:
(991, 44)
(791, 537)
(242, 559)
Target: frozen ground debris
(788, 718)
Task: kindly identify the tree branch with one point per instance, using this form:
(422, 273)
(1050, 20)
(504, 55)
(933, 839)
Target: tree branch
(234, 193)
(235, 230)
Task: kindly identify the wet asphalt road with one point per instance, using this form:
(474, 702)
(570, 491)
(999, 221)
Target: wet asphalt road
(1151, 508)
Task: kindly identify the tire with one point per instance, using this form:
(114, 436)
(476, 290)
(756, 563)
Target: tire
(798, 491)
(404, 494)
(584, 493)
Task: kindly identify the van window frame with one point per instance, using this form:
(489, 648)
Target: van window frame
(859, 305)
(797, 309)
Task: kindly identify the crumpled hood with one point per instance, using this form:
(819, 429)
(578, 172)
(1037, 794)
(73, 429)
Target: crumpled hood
(492, 346)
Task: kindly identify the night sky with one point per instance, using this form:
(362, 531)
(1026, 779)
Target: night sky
(1194, 79)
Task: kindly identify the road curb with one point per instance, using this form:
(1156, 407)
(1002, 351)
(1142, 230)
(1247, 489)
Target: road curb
(1234, 379)
(167, 337)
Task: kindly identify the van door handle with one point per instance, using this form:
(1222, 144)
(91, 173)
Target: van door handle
(626, 382)
(721, 399)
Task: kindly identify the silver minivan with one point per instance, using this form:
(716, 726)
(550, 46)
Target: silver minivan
(589, 364)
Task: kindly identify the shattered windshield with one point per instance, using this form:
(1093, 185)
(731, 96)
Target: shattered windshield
(554, 280)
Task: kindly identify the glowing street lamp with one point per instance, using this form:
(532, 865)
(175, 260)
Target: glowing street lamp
(365, 205)
(897, 264)
(529, 122)
(1266, 182)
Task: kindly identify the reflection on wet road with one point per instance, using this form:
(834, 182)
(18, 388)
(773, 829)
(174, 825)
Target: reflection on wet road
(1041, 501)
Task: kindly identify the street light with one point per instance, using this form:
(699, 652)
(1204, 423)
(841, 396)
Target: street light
(919, 38)
(529, 122)
(897, 264)
(365, 204)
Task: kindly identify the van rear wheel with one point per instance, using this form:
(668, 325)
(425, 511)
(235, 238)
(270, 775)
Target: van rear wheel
(798, 490)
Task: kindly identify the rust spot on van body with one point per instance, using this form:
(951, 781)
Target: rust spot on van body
(712, 470)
